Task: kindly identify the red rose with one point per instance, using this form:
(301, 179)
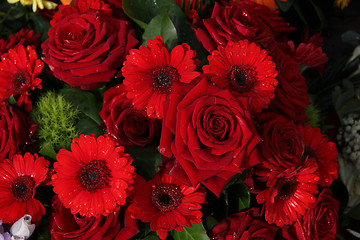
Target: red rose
(291, 97)
(127, 125)
(16, 128)
(65, 225)
(283, 142)
(243, 225)
(207, 135)
(320, 221)
(86, 50)
(239, 21)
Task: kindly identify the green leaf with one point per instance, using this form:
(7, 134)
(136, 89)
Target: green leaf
(163, 26)
(238, 198)
(195, 232)
(85, 101)
(145, 161)
(144, 10)
(40, 24)
(87, 126)
(151, 237)
(211, 222)
(284, 6)
(47, 150)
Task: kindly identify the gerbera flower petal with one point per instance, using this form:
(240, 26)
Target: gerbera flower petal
(246, 70)
(18, 74)
(18, 180)
(290, 192)
(166, 203)
(151, 71)
(96, 159)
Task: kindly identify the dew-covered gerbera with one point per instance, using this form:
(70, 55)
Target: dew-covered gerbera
(151, 71)
(19, 178)
(246, 70)
(19, 69)
(166, 203)
(94, 177)
(289, 193)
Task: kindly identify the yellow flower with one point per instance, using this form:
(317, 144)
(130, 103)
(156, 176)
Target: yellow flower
(36, 3)
(342, 3)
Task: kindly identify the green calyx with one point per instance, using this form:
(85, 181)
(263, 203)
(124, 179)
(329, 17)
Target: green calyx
(314, 115)
(57, 119)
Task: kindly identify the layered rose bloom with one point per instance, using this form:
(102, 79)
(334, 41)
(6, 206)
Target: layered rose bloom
(291, 98)
(86, 50)
(283, 142)
(243, 225)
(65, 225)
(239, 21)
(126, 124)
(208, 136)
(16, 130)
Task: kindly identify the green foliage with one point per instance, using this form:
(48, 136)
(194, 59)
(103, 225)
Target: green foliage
(163, 26)
(145, 161)
(195, 232)
(89, 106)
(238, 198)
(284, 6)
(142, 12)
(314, 115)
(57, 119)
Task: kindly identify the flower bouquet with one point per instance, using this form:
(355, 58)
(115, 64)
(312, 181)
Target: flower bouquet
(182, 119)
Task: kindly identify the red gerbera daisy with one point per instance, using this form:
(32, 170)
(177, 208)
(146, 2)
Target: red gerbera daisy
(23, 37)
(151, 71)
(95, 177)
(317, 146)
(166, 203)
(19, 69)
(246, 70)
(18, 180)
(289, 193)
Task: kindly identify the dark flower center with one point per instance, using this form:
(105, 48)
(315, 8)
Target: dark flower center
(94, 175)
(218, 127)
(136, 124)
(286, 188)
(22, 188)
(20, 78)
(242, 78)
(162, 79)
(308, 153)
(166, 197)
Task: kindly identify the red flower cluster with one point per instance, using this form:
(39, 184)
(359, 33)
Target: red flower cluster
(239, 115)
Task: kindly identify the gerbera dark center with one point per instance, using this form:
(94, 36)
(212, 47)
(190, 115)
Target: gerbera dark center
(22, 188)
(166, 197)
(20, 78)
(241, 78)
(286, 188)
(94, 175)
(162, 79)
